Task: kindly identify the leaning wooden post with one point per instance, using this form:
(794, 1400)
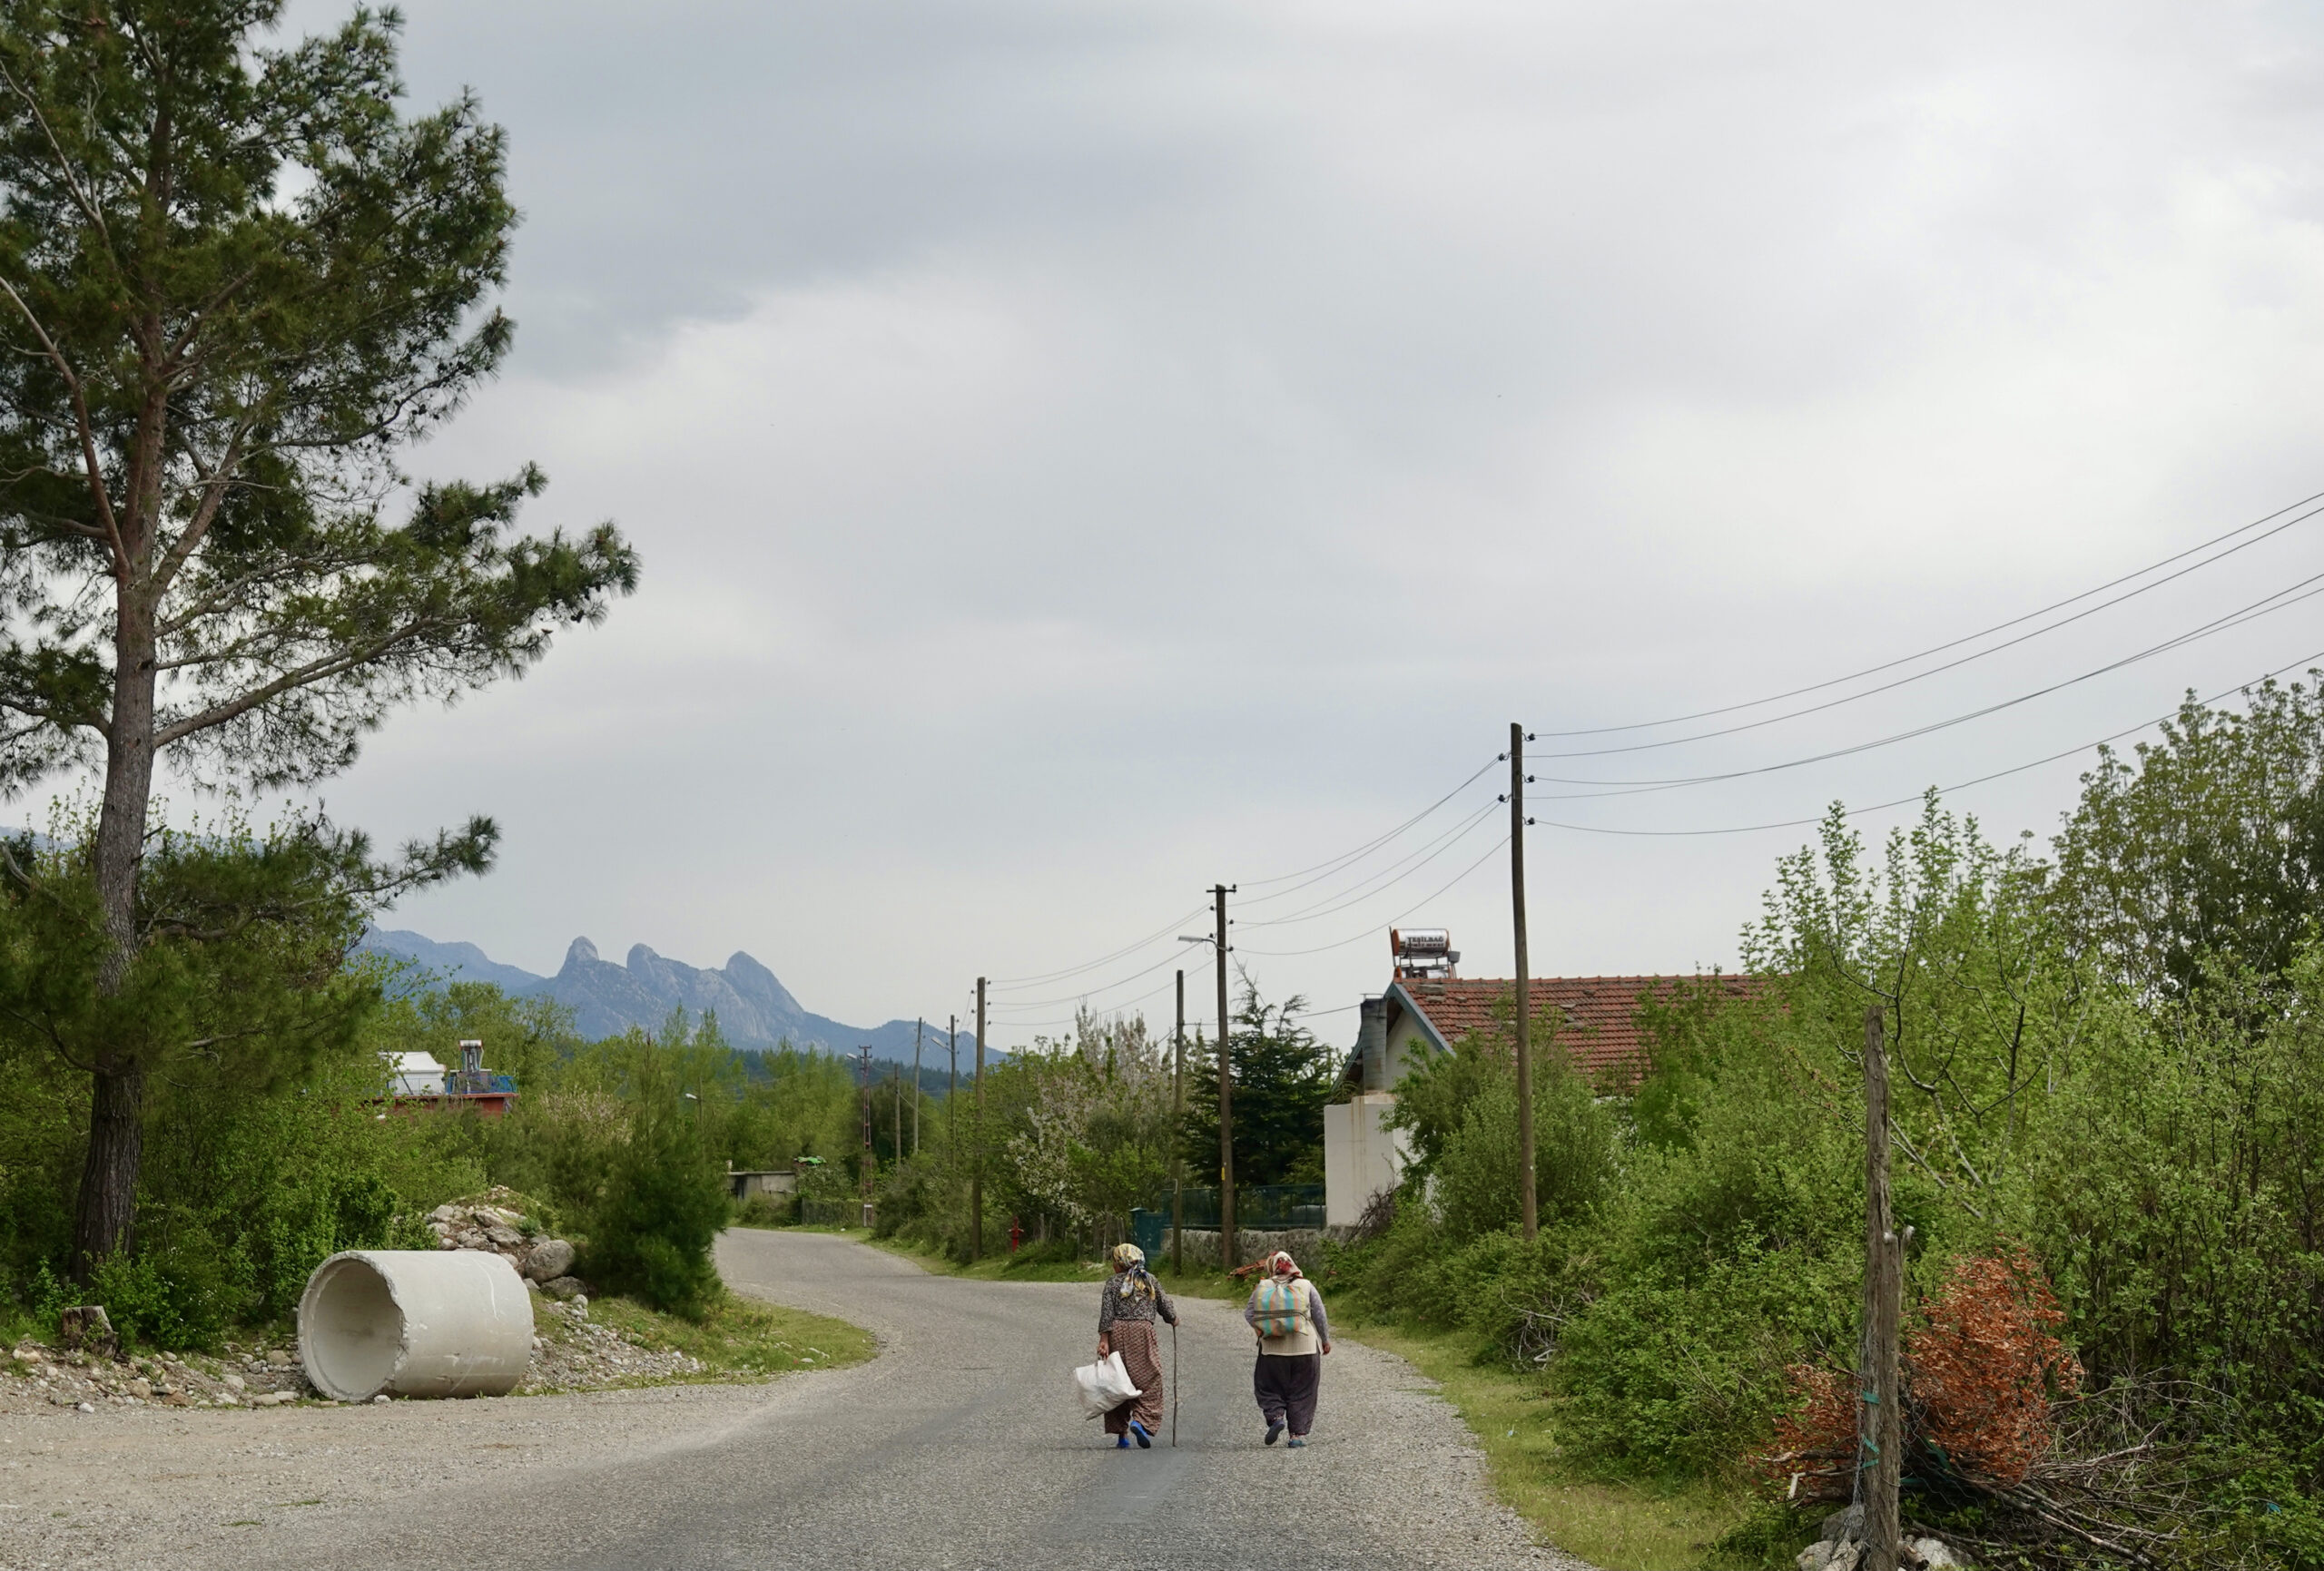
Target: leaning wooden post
(1879, 1429)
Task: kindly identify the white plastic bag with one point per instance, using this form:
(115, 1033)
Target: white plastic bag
(1104, 1386)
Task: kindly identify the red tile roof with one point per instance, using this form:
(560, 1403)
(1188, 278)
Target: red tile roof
(1596, 1015)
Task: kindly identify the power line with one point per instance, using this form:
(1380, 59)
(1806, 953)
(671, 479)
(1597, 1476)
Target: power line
(1920, 676)
(1374, 931)
(2231, 620)
(1333, 864)
(1442, 843)
(1967, 638)
(1965, 785)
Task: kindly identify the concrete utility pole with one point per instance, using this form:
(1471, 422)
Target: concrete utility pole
(863, 1058)
(1527, 1208)
(1178, 1121)
(952, 1089)
(1879, 1429)
(1225, 1097)
(916, 1027)
(976, 1171)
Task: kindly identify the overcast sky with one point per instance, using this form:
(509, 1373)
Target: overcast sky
(1081, 453)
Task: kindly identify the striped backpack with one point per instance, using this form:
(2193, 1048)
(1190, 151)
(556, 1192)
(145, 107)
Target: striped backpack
(1281, 1307)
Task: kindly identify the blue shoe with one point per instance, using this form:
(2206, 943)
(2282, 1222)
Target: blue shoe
(1121, 1442)
(1145, 1440)
(1296, 1441)
(1275, 1432)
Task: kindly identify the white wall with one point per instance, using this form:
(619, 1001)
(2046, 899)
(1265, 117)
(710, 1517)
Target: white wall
(1360, 1157)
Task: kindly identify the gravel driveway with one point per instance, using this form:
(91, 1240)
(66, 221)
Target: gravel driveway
(959, 1446)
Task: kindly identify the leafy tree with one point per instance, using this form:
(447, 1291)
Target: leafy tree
(1283, 1079)
(235, 281)
(2212, 844)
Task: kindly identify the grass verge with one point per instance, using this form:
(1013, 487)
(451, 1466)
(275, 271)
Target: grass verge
(740, 1338)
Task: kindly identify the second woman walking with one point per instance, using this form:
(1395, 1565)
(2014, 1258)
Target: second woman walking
(1126, 1326)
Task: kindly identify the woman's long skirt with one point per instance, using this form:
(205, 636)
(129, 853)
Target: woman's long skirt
(1285, 1385)
(1142, 1356)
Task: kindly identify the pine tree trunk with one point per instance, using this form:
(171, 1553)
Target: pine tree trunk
(108, 1197)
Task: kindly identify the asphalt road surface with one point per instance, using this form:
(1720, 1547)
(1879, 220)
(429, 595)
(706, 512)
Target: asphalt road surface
(959, 1445)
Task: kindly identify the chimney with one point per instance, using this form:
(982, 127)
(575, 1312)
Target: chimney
(1372, 1042)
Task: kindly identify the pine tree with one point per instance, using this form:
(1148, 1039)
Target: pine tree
(235, 281)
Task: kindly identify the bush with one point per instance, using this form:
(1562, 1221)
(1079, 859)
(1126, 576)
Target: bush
(663, 1205)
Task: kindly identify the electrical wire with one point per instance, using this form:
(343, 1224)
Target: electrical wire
(993, 983)
(1941, 790)
(1442, 843)
(1967, 638)
(1333, 864)
(2233, 619)
(1374, 931)
(1917, 676)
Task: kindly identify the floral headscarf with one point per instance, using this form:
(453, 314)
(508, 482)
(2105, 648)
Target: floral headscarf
(1280, 1263)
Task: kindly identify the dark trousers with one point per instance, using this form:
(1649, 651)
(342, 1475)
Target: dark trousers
(1285, 1385)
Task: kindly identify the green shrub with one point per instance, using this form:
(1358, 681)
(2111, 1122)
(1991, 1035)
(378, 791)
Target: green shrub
(663, 1205)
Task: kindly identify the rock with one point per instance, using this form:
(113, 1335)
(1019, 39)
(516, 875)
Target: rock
(234, 1382)
(563, 1287)
(1936, 1554)
(1815, 1557)
(581, 1306)
(92, 1407)
(382, 1397)
(1847, 1524)
(548, 1260)
(142, 1389)
(87, 1328)
(1844, 1555)
(446, 1212)
(272, 1398)
(509, 1238)
(278, 1357)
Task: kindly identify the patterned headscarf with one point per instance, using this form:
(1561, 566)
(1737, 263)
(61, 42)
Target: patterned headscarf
(1281, 1264)
(1134, 1281)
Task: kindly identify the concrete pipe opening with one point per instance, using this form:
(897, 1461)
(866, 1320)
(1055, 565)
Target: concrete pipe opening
(415, 1322)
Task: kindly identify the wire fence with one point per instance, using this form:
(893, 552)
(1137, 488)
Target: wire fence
(1259, 1208)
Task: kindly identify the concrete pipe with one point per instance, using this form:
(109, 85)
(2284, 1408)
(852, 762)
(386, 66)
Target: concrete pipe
(419, 1322)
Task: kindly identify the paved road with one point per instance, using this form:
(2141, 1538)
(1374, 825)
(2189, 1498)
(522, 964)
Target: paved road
(959, 1446)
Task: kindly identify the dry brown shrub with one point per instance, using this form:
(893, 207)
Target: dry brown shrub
(1980, 1373)
(1986, 1364)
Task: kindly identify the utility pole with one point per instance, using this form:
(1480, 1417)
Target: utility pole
(976, 1171)
(1879, 1429)
(917, 1026)
(863, 1059)
(896, 1105)
(952, 1089)
(1177, 1123)
(1527, 1208)
(1225, 1098)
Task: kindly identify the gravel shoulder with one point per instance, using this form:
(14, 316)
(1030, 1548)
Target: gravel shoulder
(957, 1447)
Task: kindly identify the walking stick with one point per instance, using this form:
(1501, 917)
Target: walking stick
(1174, 1385)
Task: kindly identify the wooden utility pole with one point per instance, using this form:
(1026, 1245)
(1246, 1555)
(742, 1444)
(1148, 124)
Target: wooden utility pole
(864, 1057)
(1178, 1121)
(896, 1100)
(952, 1089)
(1879, 1429)
(1225, 1098)
(1527, 1208)
(916, 1027)
(976, 1170)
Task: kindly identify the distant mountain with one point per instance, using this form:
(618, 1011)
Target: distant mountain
(754, 1008)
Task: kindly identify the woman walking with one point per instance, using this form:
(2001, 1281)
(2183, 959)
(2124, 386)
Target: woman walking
(1286, 1313)
(1126, 1326)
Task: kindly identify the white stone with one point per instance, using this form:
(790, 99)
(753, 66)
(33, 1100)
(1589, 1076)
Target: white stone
(1936, 1554)
(1815, 1557)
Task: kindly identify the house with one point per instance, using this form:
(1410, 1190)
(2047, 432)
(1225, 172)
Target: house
(743, 1183)
(1427, 1009)
(416, 1081)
